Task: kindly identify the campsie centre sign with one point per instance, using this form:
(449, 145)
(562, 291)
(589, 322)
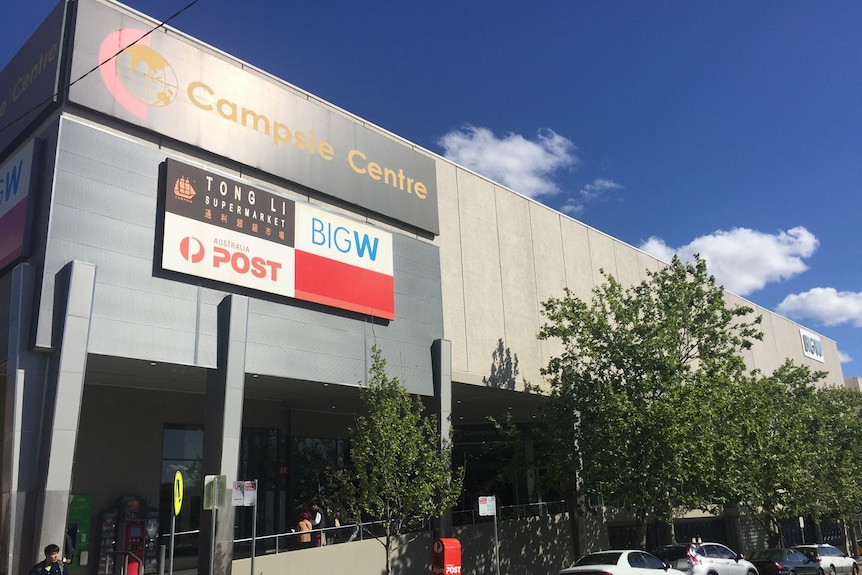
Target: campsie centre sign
(165, 82)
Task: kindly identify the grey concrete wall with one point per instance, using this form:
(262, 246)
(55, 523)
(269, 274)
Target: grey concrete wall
(502, 254)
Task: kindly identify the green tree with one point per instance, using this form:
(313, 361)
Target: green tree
(773, 423)
(833, 441)
(638, 392)
(399, 472)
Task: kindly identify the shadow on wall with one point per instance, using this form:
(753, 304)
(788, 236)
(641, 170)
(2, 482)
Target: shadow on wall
(504, 369)
(413, 555)
(527, 546)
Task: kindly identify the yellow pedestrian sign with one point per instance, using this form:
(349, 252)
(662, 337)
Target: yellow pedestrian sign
(178, 492)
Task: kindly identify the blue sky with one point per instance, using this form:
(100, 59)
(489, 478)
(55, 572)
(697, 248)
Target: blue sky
(730, 129)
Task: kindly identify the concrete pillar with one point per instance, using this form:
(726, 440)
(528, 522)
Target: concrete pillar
(441, 363)
(75, 283)
(43, 403)
(222, 431)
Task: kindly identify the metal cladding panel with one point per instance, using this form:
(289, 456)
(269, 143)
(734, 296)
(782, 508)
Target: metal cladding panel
(306, 344)
(105, 211)
(174, 86)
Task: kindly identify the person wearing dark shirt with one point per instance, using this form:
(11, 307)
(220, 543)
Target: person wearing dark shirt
(52, 565)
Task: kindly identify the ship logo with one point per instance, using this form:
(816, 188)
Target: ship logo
(183, 189)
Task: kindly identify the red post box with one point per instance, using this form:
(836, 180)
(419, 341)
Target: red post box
(446, 557)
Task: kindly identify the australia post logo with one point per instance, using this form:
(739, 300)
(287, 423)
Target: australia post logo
(230, 257)
(136, 75)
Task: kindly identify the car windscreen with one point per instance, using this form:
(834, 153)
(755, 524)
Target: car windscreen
(599, 559)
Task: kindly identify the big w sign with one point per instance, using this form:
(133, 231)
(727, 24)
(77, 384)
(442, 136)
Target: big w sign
(231, 232)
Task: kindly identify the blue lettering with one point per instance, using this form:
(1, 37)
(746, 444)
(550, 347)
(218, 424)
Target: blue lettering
(362, 244)
(812, 345)
(12, 180)
(345, 245)
(339, 237)
(317, 236)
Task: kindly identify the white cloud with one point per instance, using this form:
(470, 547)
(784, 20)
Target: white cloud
(844, 357)
(526, 166)
(827, 305)
(744, 260)
(574, 205)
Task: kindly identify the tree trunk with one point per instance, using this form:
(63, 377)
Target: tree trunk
(640, 529)
(666, 532)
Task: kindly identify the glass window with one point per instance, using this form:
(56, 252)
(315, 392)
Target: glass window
(599, 559)
(182, 450)
(651, 562)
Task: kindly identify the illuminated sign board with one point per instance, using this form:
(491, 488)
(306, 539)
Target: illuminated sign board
(166, 83)
(28, 84)
(231, 232)
(811, 345)
(17, 175)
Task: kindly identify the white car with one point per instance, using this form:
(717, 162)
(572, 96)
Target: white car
(620, 562)
(832, 560)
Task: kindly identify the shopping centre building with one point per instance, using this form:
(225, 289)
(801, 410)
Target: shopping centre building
(196, 259)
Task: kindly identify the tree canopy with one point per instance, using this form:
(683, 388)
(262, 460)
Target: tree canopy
(399, 471)
(651, 409)
(645, 376)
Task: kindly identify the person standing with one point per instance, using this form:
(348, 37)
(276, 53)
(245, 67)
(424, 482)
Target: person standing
(304, 528)
(318, 521)
(51, 565)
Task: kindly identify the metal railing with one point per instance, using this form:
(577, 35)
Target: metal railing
(289, 541)
(508, 512)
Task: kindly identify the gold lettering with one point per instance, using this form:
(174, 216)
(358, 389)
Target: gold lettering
(323, 149)
(227, 110)
(191, 91)
(395, 178)
(257, 119)
(353, 154)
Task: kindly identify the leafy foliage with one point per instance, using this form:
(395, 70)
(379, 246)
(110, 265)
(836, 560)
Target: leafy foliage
(399, 471)
(638, 393)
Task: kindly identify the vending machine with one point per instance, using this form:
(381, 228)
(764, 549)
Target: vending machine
(130, 534)
(77, 544)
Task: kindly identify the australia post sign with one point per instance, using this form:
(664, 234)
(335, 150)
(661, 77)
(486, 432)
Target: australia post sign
(231, 232)
(167, 83)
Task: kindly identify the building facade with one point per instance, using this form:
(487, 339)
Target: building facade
(196, 259)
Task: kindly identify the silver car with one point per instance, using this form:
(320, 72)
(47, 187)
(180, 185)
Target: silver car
(705, 559)
(832, 561)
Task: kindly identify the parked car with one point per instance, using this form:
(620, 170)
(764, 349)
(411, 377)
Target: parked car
(830, 559)
(705, 559)
(783, 562)
(620, 562)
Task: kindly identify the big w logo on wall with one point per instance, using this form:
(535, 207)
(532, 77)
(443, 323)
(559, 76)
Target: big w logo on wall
(228, 231)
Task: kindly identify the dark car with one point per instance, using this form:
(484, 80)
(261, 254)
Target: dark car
(783, 562)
